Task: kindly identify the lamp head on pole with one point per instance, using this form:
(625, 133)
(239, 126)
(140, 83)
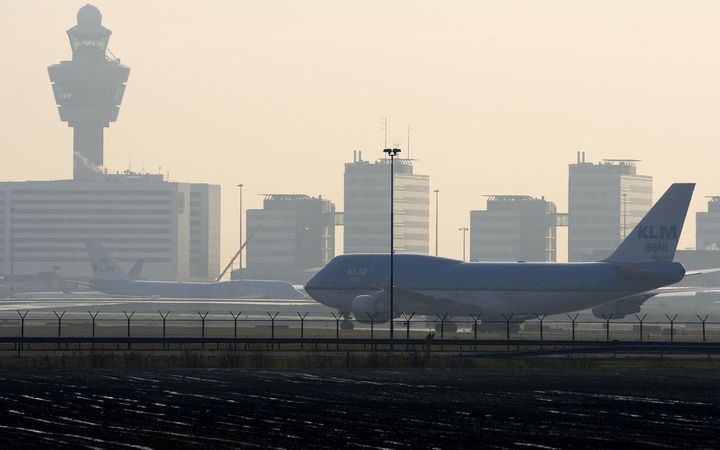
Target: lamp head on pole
(392, 151)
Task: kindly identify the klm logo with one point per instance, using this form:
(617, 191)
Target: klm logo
(104, 268)
(661, 235)
(662, 232)
(357, 272)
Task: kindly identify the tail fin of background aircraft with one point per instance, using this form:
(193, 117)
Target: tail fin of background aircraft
(136, 269)
(103, 266)
(656, 237)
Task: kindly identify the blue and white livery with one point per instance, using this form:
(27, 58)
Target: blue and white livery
(429, 285)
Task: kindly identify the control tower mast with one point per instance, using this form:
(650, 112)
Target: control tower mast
(88, 90)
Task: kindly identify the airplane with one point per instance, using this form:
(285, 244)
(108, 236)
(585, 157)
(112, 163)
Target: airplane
(428, 285)
(110, 278)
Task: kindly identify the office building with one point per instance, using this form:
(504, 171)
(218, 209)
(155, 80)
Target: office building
(606, 201)
(707, 234)
(514, 228)
(367, 207)
(291, 238)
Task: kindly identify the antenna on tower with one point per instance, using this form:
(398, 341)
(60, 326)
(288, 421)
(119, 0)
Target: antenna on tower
(408, 140)
(385, 126)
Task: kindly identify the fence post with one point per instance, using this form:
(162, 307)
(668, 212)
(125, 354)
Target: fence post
(672, 326)
(407, 327)
(272, 325)
(607, 325)
(202, 328)
(164, 317)
(573, 319)
(475, 318)
(302, 329)
(235, 321)
(59, 318)
(93, 316)
(703, 323)
(507, 325)
(24, 314)
(128, 317)
(372, 324)
(541, 318)
(641, 320)
(337, 328)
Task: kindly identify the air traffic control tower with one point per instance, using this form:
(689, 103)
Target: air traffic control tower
(88, 90)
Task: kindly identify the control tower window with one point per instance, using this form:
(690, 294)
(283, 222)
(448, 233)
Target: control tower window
(85, 43)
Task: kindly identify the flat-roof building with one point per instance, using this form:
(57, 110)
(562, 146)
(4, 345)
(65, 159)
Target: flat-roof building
(44, 224)
(707, 233)
(291, 238)
(514, 228)
(367, 207)
(606, 201)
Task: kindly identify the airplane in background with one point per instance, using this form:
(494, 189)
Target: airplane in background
(110, 278)
(428, 285)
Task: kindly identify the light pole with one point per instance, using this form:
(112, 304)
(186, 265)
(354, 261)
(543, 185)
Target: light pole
(12, 252)
(240, 259)
(437, 192)
(464, 230)
(392, 152)
(624, 222)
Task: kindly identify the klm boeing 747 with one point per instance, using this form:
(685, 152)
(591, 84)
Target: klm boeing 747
(429, 285)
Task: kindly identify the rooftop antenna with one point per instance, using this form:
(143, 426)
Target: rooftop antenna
(408, 141)
(385, 126)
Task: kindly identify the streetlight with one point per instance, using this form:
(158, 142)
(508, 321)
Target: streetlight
(392, 152)
(464, 231)
(240, 259)
(437, 192)
(624, 221)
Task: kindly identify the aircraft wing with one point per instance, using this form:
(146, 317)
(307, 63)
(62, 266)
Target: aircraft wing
(632, 304)
(701, 271)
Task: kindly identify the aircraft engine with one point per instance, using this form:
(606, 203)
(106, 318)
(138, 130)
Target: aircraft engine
(365, 307)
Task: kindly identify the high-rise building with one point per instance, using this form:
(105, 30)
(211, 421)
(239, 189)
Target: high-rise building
(367, 207)
(606, 201)
(88, 90)
(291, 238)
(707, 234)
(204, 231)
(514, 228)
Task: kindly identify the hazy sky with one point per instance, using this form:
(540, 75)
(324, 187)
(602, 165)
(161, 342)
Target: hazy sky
(277, 94)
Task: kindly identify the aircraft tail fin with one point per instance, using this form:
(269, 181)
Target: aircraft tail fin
(103, 265)
(655, 238)
(136, 269)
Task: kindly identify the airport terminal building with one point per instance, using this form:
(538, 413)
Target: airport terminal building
(173, 227)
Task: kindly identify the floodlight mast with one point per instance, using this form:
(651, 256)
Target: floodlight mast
(392, 152)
